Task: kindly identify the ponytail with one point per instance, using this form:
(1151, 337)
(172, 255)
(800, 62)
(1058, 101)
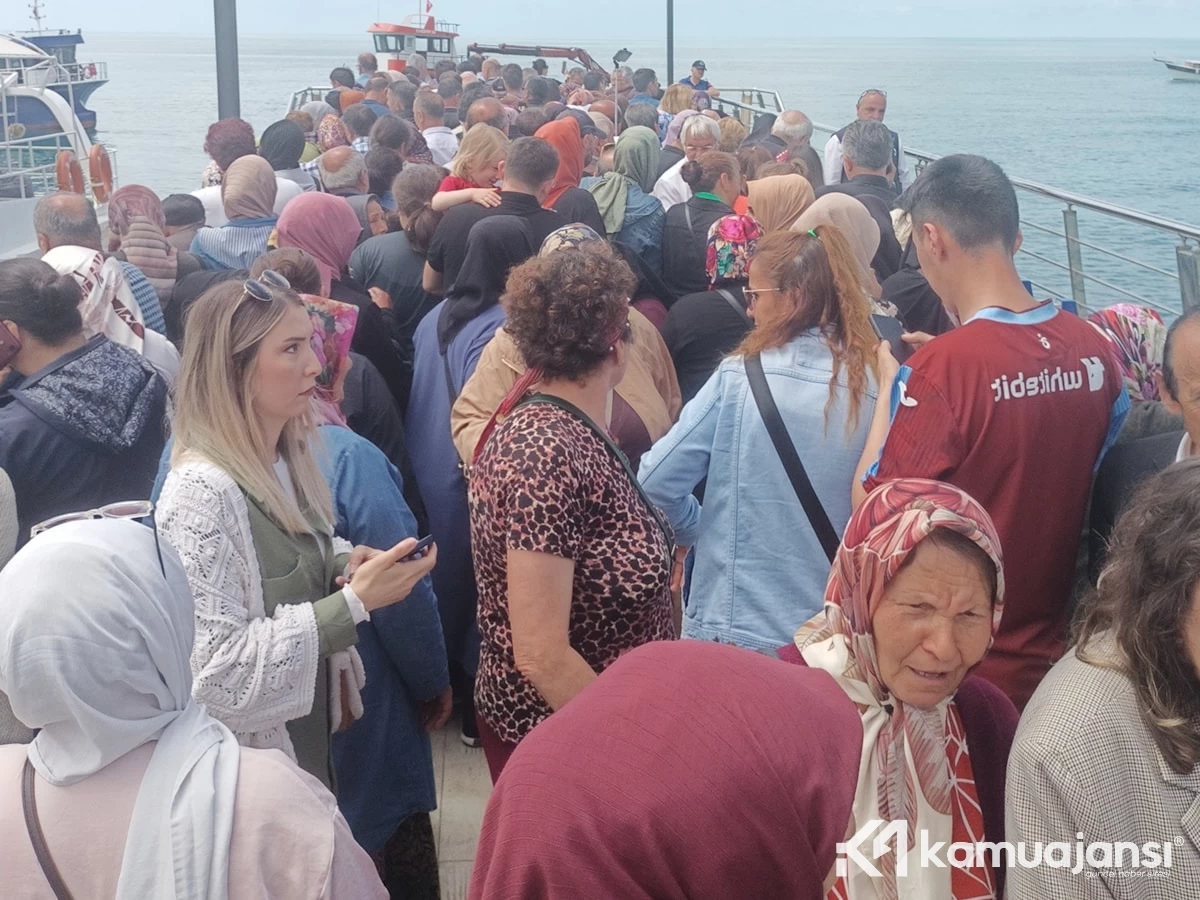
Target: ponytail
(421, 226)
(703, 173)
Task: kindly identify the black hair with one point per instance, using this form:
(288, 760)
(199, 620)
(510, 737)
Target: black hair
(443, 66)
(391, 132)
(449, 85)
(475, 91)
(594, 81)
(183, 209)
(463, 67)
(514, 76)
(541, 91)
(531, 161)
(642, 79)
(405, 92)
(377, 83)
(359, 118)
(383, 165)
(970, 197)
(343, 76)
(1168, 366)
(527, 122)
(40, 300)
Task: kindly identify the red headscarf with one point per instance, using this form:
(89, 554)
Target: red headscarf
(687, 769)
(563, 135)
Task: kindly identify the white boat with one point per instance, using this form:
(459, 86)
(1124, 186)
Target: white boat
(1181, 69)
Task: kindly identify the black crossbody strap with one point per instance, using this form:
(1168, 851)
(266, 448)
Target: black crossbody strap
(34, 827)
(733, 301)
(817, 516)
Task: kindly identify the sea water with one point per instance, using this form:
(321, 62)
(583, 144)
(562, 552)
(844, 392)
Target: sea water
(1098, 118)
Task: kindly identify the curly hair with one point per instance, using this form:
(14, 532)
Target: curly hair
(228, 140)
(1143, 602)
(566, 309)
(819, 288)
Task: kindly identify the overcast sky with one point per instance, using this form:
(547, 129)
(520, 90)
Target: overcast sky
(545, 20)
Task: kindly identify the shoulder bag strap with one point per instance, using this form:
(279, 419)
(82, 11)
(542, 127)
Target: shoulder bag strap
(450, 389)
(817, 516)
(34, 827)
(733, 301)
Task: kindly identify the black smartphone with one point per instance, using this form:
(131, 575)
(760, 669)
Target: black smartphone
(418, 551)
(10, 346)
(889, 329)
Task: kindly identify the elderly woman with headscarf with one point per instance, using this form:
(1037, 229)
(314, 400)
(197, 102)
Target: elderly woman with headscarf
(136, 226)
(327, 229)
(96, 630)
(371, 215)
(912, 606)
(624, 200)
(689, 770)
(777, 201)
(446, 349)
(566, 196)
(702, 328)
(282, 145)
(645, 402)
(248, 195)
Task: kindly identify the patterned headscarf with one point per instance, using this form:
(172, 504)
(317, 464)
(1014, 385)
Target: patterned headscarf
(731, 244)
(569, 237)
(1138, 338)
(935, 791)
(333, 326)
(330, 134)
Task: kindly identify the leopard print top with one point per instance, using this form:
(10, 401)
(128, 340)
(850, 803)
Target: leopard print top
(546, 483)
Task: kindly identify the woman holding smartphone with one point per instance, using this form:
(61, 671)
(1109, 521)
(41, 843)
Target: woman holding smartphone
(277, 597)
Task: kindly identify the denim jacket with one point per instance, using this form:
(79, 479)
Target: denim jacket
(759, 569)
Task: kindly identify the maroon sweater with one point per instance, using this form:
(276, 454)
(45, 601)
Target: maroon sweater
(990, 721)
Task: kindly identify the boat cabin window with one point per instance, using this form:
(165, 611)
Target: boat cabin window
(438, 45)
(394, 43)
(66, 55)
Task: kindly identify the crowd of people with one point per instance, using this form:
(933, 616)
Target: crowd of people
(567, 404)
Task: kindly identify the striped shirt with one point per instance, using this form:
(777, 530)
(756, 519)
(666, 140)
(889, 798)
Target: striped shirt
(146, 297)
(235, 245)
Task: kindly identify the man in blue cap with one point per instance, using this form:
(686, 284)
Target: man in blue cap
(697, 82)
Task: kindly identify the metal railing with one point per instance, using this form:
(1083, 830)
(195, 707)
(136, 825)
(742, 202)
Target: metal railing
(1060, 268)
(27, 166)
(50, 73)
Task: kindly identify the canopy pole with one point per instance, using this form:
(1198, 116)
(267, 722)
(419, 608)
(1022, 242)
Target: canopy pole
(670, 41)
(225, 27)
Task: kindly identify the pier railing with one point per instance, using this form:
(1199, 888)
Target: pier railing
(1068, 263)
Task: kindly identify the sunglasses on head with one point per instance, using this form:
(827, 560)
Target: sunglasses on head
(260, 288)
(124, 509)
(868, 93)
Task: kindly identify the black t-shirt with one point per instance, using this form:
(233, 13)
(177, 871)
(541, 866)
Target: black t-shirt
(448, 248)
(577, 205)
(685, 243)
(701, 329)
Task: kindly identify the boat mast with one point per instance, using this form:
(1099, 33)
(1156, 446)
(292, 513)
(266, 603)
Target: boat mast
(35, 13)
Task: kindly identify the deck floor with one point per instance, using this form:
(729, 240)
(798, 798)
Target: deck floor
(463, 786)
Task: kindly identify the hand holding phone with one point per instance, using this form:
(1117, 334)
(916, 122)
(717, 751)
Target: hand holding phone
(890, 329)
(419, 551)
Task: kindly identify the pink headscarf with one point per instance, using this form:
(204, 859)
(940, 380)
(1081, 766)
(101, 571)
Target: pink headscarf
(936, 789)
(323, 226)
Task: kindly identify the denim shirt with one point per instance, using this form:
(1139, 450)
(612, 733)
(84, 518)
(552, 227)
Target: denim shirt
(759, 569)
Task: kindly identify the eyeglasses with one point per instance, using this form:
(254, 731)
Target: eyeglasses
(260, 288)
(125, 509)
(752, 295)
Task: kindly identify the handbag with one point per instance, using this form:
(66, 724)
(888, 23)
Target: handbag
(792, 465)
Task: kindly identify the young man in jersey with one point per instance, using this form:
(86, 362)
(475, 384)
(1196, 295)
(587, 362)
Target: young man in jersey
(1016, 406)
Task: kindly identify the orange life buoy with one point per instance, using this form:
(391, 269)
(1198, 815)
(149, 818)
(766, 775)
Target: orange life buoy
(100, 173)
(68, 172)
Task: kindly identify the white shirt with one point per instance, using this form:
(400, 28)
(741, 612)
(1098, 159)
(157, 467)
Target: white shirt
(833, 163)
(671, 189)
(442, 144)
(214, 208)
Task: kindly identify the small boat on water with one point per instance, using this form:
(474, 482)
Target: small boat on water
(1181, 69)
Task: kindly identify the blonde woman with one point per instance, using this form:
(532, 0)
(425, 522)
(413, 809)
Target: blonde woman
(676, 99)
(249, 512)
(475, 170)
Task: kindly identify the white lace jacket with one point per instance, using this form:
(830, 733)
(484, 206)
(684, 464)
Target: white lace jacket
(252, 672)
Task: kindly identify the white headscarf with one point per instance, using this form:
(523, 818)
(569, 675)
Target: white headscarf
(94, 651)
(108, 306)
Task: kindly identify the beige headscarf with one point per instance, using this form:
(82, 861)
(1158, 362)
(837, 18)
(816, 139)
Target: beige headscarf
(778, 200)
(855, 223)
(248, 189)
(108, 305)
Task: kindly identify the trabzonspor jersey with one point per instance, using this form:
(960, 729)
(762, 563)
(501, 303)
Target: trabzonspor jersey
(1016, 409)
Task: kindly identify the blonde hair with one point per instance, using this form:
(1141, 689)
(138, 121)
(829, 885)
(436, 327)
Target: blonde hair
(214, 406)
(480, 146)
(676, 99)
(733, 133)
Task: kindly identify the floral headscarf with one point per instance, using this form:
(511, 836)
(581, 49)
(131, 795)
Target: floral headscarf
(569, 237)
(1138, 336)
(732, 241)
(916, 765)
(330, 134)
(333, 326)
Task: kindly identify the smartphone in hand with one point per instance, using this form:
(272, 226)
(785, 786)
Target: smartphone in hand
(418, 551)
(890, 329)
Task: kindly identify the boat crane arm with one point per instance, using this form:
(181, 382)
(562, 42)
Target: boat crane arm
(578, 54)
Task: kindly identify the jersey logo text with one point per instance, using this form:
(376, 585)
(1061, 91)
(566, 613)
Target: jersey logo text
(1046, 382)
